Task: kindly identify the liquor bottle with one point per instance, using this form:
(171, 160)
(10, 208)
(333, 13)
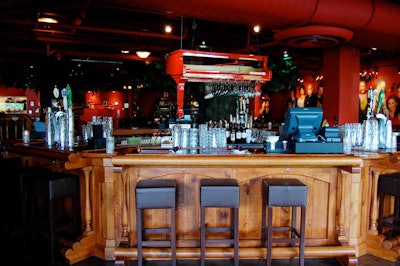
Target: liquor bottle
(241, 126)
(233, 133)
(238, 133)
(243, 131)
(227, 131)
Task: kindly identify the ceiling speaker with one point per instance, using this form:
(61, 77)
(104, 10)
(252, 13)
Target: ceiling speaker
(313, 36)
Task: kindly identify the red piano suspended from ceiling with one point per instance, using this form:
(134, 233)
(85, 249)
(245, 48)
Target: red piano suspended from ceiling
(203, 66)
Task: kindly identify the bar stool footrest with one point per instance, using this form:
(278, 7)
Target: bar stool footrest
(220, 241)
(286, 240)
(156, 230)
(286, 229)
(219, 229)
(156, 243)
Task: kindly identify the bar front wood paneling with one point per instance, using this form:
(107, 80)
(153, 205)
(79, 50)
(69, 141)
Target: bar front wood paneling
(321, 173)
(341, 212)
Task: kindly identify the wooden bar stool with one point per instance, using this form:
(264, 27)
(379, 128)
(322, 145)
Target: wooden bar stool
(219, 193)
(279, 192)
(155, 194)
(389, 185)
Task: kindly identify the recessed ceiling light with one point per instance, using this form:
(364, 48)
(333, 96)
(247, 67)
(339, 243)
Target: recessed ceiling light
(168, 28)
(256, 29)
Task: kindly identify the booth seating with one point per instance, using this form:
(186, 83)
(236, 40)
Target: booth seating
(219, 193)
(51, 208)
(389, 185)
(155, 194)
(280, 192)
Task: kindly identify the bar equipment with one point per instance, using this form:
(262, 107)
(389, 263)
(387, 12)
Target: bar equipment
(60, 122)
(96, 132)
(49, 128)
(272, 140)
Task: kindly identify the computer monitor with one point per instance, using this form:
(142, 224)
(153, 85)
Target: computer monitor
(303, 124)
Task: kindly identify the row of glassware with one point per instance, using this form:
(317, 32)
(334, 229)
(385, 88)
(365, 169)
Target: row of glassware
(372, 135)
(205, 138)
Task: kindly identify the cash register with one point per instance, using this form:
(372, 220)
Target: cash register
(303, 126)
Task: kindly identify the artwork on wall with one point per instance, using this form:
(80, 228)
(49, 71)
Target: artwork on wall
(13, 104)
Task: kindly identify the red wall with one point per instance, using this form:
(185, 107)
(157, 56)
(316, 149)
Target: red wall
(146, 98)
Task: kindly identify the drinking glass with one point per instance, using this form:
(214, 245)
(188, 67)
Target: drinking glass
(193, 140)
(203, 137)
(176, 135)
(185, 140)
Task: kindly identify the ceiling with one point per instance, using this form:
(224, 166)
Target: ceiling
(92, 33)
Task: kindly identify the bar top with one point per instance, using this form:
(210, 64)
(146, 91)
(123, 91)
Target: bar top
(245, 160)
(128, 156)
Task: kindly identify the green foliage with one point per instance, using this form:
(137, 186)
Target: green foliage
(284, 75)
(216, 108)
(220, 107)
(154, 77)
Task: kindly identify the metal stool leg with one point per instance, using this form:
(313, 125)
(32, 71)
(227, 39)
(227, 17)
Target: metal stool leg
(139, 225)
(302, 235)
(173, 237)
(202, 236)
(236, 236)
(294, 220)
(269, 237)
(263, 219)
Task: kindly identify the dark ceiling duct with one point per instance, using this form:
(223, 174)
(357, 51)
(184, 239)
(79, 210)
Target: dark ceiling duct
(101, 30)
(376, 19)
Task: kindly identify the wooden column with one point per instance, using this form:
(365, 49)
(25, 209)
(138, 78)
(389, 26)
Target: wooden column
(373, 229)
(88, 207)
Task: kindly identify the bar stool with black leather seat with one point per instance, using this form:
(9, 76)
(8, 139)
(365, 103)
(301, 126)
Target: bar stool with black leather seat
(282, 192)
(389, 185)
(155, 194)
(53, 203)
(219, 193)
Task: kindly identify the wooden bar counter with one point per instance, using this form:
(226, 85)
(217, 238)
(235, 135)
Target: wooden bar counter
(341, 205)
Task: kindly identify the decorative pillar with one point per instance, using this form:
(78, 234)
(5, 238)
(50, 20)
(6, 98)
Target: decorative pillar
(125, 221)
(341, 214)
(88, 207)
(373, 228)
(341, 70)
